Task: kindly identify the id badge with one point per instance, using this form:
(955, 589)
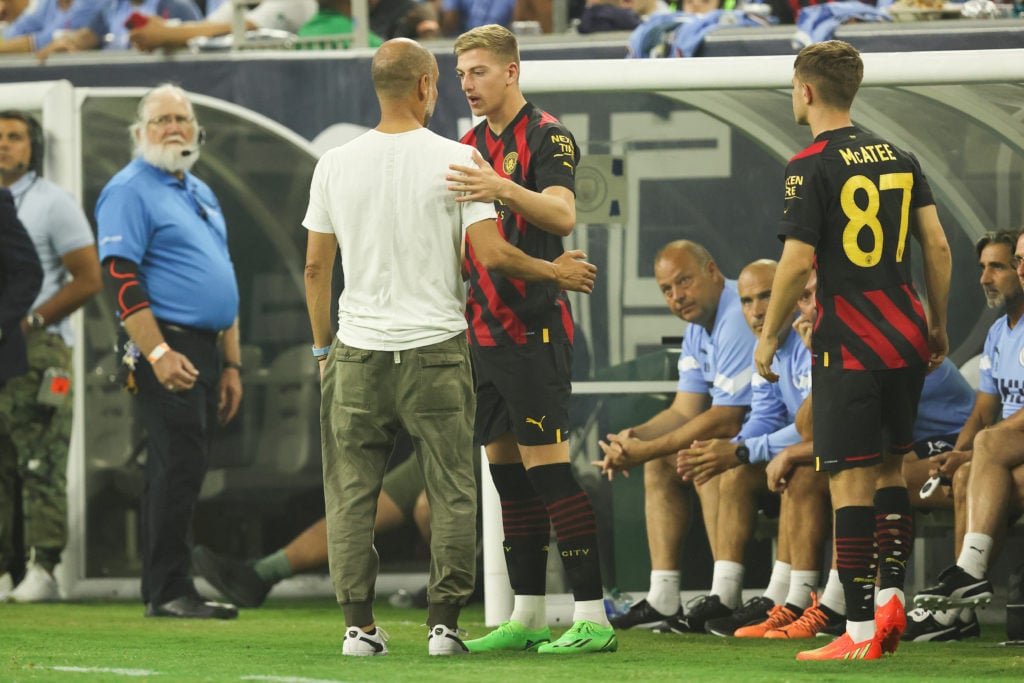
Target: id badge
(54, 388)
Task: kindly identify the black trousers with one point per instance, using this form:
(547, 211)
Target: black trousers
(177, 426)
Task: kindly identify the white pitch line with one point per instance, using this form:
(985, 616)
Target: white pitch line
(105, 670)
(289, 679)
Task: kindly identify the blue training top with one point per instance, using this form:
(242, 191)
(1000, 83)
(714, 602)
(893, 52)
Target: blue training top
(771, 426)
(946, 403)
(1002, 365)
(719, 364)
(174, 230)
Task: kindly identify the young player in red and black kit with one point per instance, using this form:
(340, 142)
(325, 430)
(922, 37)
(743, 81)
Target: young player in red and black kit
(852, 200)
(521, 337)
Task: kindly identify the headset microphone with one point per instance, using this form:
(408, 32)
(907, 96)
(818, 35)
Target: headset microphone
(200, 141)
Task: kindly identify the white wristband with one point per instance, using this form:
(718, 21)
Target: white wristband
(158, 352)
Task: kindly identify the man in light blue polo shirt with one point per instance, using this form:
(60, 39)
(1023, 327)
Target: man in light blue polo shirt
(163, 244)
(35, 428)
(741, 462)
(712, 400)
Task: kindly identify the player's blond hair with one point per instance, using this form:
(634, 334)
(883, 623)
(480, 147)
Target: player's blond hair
(493, 38)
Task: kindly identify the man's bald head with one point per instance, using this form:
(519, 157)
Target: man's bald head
(754, 285)
(398, 66)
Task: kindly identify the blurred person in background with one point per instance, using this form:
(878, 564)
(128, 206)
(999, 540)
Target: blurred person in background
(35, 439)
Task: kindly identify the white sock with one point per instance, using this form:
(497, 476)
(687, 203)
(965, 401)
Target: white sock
(885, 595)
(727, 582)
(974, 554)
(530, 611)
(590, 610)
(664, 594)
(860, 630)
(833, 596)
(778, 582)
(801, 584)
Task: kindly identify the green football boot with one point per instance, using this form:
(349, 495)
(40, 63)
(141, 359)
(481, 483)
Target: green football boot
(510, 636)
(583, 637)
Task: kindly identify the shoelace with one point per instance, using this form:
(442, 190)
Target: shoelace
(699, 605)
(813, 618)
(778, 617)
(750, 609)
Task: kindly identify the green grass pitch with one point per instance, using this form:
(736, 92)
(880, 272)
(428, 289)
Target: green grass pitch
(300, 642)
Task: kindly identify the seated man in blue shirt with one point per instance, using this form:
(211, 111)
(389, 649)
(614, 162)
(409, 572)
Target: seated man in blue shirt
(994, 476)
(741, 462)
(107, 29)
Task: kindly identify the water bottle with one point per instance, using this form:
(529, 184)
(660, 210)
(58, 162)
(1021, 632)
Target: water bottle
(616, 603)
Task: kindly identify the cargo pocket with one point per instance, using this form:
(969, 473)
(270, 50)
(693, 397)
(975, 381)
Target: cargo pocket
(351, 379)
(443, 384)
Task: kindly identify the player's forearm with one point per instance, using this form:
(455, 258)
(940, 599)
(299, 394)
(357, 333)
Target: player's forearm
(501, 257)
(551, 212)
(937, 268)
(791, 277)
(714, 423)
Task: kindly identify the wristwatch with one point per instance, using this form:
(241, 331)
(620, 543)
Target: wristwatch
(35, 321)
(743, 453)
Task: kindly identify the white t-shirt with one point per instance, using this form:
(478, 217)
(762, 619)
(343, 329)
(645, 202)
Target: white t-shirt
(283, 15)
(400, 230)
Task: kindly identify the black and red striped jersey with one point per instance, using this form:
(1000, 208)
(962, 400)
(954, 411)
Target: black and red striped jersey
(536, 151)
(851, 195)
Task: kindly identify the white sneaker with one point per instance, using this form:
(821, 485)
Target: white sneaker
(444, 641)
(6, 584)
(37, 586)
(359, 643)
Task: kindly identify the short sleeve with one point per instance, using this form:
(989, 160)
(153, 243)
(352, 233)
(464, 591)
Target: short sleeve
(691, 374)
(734, 347)
(74, 231)
(986, 382)
(555, 158)
(804, 204)
(123, 224)
(318, 217)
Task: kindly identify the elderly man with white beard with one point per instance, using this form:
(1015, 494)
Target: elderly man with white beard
(163, 245)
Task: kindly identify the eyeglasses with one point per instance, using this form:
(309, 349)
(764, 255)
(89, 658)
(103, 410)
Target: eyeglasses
(168, 119)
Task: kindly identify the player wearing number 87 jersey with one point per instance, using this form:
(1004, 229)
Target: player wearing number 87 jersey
(852, 200)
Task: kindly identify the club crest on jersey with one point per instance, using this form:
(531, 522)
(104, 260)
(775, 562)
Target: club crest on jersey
(508, 164)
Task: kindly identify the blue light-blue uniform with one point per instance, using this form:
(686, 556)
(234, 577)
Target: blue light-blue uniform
(108, 23)
(946, 403)
(719, 363)
(177, 238)
(1002, 365)
(47, 18)
(771, 426)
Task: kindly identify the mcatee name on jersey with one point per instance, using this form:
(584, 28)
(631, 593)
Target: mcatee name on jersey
(868, 154)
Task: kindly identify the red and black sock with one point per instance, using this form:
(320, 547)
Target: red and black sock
(527, 529)
(575, 527)
(856, 560)
(894, 527)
